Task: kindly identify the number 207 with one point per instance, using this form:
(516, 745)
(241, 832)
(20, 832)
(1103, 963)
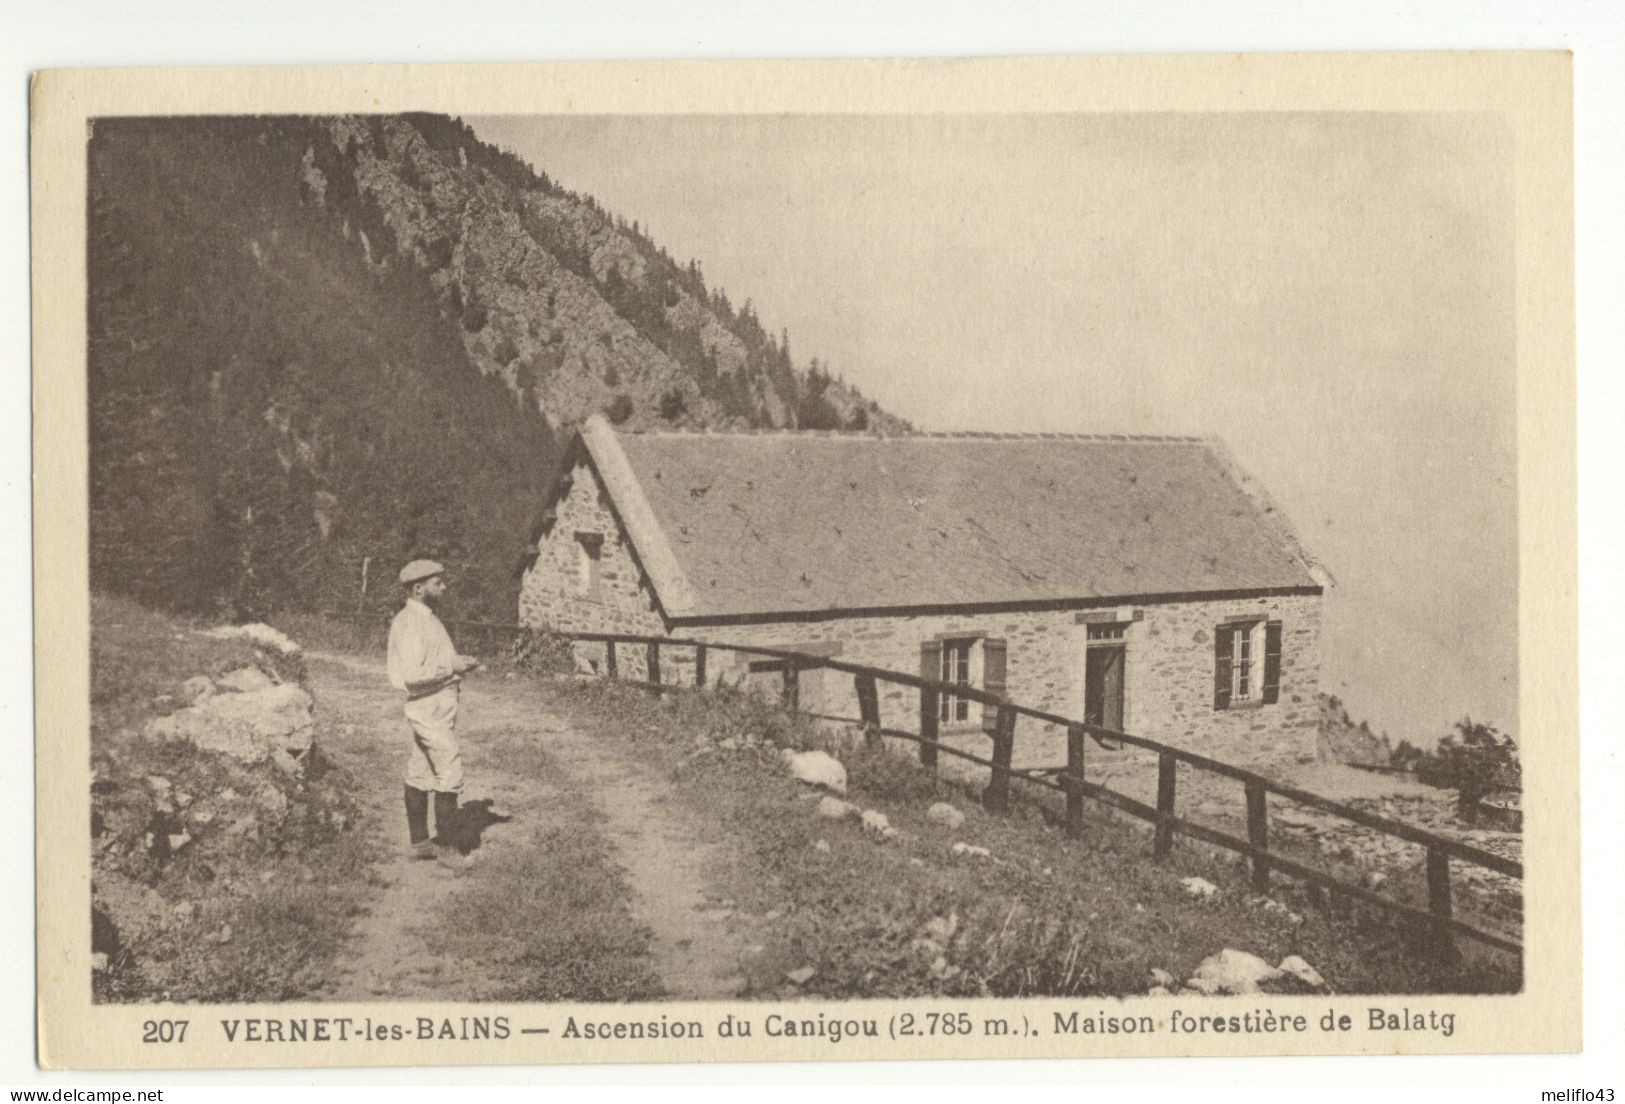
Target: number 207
(164, 1031)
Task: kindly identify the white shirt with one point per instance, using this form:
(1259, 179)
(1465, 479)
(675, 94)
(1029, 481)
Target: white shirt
(421, 655)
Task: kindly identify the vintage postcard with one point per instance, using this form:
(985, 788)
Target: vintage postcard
(662, 562)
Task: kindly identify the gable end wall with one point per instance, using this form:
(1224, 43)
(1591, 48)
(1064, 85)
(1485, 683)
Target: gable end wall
(550, 594)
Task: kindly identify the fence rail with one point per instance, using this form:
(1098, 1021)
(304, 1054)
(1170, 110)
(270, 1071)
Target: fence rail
(999, 725)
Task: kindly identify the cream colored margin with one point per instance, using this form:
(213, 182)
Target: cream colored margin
(1532, 92)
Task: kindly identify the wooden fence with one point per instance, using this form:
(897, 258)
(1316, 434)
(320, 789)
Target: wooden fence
(1071, 780)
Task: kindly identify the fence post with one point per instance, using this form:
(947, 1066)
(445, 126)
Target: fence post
(699, 666)
(609, 664)
(928, 729)
(1164, 842)
(1258, 833)
(792, 686)
(868, 707)
(1075, 738)
(997, 795)
(1439, 899)
(654, 663)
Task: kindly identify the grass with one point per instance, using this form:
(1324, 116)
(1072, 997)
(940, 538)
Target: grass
(256, 898)
(548, 920)
(366, 635)
(1043, 914)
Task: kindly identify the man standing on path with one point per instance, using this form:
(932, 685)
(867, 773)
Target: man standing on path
(423, 663)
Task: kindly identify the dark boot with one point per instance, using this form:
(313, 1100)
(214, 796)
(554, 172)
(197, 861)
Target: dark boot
(447, 851)
(445, 819)
(417, 823)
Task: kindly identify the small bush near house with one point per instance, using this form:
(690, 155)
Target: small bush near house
(540, 652)
(1476, 761)
(673, 405)
(619, 409)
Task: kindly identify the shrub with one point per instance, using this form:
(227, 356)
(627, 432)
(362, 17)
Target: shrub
(1475, 761)
(620, 409)
(889, 773)
(673, 405)
(505, 350)
(541, 652)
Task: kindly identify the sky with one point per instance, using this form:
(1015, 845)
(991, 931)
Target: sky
(1331, 294)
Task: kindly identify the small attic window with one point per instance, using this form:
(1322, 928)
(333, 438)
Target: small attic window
(589, 557)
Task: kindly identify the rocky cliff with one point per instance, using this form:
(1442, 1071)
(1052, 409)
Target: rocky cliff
(572, 308)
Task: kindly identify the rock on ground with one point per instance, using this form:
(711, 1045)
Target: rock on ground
(1199, 887)
(971, 849)
(833, 808)
(1298, 968)
(244, 680)
(1232, 971)
(946, 815)
(252, 727)
(817, 768)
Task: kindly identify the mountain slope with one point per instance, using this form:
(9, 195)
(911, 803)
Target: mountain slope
(571, 307)
(322, 342)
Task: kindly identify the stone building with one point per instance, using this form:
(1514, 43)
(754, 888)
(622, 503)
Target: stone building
(1142, 583)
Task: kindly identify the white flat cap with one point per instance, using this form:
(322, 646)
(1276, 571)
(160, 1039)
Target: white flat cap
(418, 570)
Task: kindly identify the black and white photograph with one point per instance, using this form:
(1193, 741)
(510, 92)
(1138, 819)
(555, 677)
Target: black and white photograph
(956, 580)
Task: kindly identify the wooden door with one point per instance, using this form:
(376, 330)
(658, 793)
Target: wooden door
(1103, 686)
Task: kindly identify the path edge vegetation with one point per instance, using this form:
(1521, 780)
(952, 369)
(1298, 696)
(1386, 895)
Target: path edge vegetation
(1040, 914)
(211, 879)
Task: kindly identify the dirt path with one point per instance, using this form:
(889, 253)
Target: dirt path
(660, 844)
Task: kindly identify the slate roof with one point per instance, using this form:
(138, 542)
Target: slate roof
(755, 524)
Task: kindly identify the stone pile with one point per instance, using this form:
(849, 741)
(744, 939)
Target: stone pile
(1235, 973)
(245, 714)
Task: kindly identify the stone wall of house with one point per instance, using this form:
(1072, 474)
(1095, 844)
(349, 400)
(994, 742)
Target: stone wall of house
(1168, 691)
(1168, 683)
(552, 595)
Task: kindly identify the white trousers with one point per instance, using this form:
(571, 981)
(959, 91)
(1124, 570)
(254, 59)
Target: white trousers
(433, 759)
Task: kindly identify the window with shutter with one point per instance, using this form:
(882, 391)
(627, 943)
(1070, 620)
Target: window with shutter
(956, 656)
(969, 661)
(1246, 663)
